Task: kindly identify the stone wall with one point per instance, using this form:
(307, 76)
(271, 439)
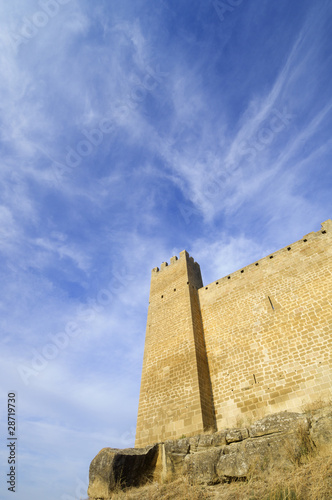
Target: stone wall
(252, 343)
(268, 331)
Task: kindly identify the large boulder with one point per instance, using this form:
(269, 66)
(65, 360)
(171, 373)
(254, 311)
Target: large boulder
(236, 435)
(113, 468)
(278, 422)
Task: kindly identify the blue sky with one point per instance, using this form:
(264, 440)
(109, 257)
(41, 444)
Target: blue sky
(130, 131)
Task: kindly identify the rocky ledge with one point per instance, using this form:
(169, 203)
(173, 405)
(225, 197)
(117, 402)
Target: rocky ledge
(213, 458)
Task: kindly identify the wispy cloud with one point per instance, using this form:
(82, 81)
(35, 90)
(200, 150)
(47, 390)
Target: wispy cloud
(269, 135)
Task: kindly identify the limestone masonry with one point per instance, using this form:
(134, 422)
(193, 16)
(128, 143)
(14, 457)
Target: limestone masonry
(252, 343)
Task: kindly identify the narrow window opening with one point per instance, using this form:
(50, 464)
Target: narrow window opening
(187, 282)
(271, 303)
(162, 296)
(255, 379)
(174, 289)
(217, 282)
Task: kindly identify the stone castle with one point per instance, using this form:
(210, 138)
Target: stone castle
(252, 343)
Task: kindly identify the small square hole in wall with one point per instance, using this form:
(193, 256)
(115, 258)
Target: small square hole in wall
(324, 232)
(242, 271)
(289, 248)
(256, 264)
(305, 240)
(271, 256)
(228, 277)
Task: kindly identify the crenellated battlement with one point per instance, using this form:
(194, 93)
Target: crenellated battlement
(273, 259)
(325, 228)
(184, 255)
(177, 274)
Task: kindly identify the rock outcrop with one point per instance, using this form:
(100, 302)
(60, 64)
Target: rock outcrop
(113, 468)
(223, 456)
(321, 426)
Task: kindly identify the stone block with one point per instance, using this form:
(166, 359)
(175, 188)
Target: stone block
(234, 435)
(201, 466)
(278, 422)
(232, 463)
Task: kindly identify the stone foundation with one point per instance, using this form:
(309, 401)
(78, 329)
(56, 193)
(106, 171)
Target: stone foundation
(231, 454)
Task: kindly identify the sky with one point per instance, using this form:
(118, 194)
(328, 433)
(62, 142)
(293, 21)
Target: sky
(130, 131)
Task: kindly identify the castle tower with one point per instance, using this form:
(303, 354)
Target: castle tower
(176, 396)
